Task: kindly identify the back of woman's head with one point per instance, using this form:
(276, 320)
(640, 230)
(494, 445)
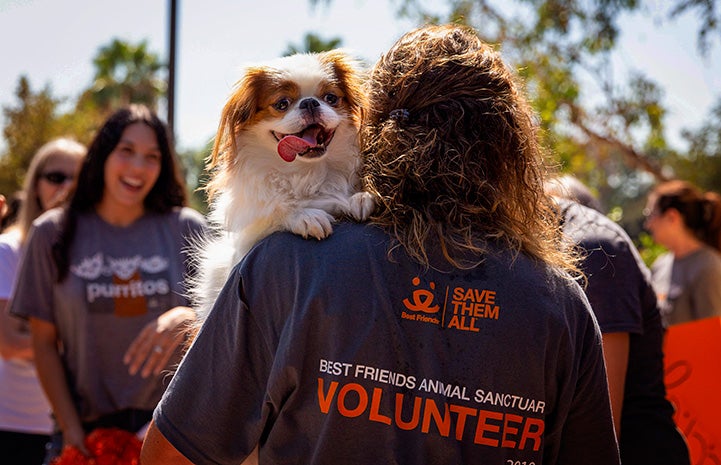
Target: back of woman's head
(451, 149)
(169, 189)
(31, 207)
(701, 211)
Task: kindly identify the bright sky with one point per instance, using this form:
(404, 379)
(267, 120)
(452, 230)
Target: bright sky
(53, 42)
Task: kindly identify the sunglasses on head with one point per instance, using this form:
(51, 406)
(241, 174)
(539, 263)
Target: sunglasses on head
(56, 177)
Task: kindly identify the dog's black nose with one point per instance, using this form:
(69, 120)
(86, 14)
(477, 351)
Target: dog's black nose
(309, 104)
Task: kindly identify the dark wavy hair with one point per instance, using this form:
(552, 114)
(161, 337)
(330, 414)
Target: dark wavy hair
(168, 192)
(450, 148)
(701, 211)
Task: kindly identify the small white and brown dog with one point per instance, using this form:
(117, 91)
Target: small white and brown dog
(286, 157)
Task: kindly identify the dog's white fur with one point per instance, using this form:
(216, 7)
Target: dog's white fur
(254, 191)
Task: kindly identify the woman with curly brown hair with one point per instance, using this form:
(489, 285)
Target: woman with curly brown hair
(687, 279)
(447, 331)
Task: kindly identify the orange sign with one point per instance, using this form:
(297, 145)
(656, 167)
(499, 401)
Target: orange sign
(693, 384)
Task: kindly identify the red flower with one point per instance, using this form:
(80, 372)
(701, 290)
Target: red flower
(107, 446)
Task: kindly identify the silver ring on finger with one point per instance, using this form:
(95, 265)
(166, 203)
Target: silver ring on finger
(158, 349)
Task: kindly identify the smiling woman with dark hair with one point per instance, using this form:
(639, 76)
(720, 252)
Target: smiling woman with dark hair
(103, 280)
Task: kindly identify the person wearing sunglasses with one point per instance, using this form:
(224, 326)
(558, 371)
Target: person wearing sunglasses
(25, 421)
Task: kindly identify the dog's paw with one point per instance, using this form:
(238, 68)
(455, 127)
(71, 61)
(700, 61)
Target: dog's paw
(311, 222)
(361, 205)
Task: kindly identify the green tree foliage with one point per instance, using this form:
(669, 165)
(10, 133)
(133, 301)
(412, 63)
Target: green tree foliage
(611, 134)
(29, 124)
(124, 73)
(702, 162)
(709, 17)
(196, 176)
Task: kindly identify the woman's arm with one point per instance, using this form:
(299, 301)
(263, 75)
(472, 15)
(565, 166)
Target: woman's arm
(14, 335)
(54, 383)
(157, 450)
(615, 354)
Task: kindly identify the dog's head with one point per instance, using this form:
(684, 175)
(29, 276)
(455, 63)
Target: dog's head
(294, 108)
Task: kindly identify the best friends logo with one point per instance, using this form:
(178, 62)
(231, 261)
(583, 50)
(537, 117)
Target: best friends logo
(461, 308)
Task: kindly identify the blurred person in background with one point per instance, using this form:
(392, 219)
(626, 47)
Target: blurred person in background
(623, 300)
(687, 279)
(25, 421)
(102, 278)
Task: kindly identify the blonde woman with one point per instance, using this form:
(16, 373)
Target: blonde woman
(25, 421)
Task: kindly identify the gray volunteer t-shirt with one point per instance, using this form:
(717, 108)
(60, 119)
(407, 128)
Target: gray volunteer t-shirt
(327, 352)
(120, 279)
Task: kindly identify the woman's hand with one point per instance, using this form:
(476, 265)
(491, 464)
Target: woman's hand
(157, 342)
(75, 437)
(53, 379)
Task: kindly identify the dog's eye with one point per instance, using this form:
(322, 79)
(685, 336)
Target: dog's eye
(282, 104)
(330, 99)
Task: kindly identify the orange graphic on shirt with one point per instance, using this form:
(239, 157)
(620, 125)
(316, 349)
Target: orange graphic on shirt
(409, 411)
(129, 303)
(422, 299)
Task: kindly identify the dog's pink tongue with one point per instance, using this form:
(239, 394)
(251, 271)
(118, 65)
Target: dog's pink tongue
(290, 146)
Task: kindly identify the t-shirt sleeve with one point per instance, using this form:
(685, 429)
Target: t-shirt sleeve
(193, 223)
(588, 435)
(37, 274)
(212, 411)
(614, 286)
(193, 226)
(706, 293)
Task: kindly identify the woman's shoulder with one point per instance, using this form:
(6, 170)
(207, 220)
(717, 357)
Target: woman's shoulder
(178, 215)
(48, 222)
(52, 216)
(186, 219)
(710, 258)
(190, 215)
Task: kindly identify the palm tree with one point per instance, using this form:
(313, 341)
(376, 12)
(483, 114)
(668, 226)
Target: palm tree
(126, 73)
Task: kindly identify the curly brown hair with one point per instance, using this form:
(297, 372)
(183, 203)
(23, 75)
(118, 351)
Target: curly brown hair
(450, 149)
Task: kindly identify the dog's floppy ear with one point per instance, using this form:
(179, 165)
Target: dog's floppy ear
(350, 75)
(240, 108)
